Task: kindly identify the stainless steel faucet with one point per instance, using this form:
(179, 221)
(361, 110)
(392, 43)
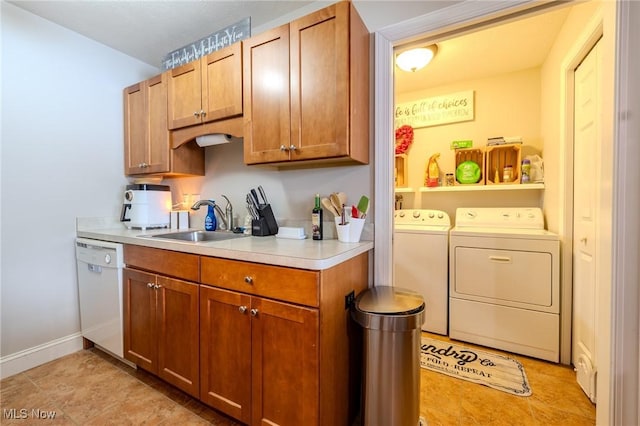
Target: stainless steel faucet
(228, 213)
(226, 217)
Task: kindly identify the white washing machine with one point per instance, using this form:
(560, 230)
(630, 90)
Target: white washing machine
(505, 281)
(421, 261)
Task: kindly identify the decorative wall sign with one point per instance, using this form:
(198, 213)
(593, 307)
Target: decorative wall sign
(452, 108)
(215, 41)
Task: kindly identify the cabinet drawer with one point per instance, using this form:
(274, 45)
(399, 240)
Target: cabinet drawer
(287, 284)
(165, 262)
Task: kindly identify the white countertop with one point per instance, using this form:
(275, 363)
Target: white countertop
(304, 254)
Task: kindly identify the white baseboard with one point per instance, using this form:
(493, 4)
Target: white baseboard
(38, 355)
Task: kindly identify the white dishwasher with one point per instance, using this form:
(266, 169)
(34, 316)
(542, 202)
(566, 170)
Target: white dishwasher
(100, 266)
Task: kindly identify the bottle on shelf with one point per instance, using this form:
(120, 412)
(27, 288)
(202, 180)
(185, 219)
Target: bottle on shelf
(316, 219)
(526, 171)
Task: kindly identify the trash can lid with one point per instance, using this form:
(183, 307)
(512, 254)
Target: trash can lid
(390, 300)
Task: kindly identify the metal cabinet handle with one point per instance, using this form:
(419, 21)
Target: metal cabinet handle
(283, 148)
(196, 114)
(292, 147)
(248, 280)
(157, 286)
(150, 285)
(242, 309)
(203, 113)
(254, 312)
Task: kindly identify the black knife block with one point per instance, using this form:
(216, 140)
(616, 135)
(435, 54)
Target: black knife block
(266, 224)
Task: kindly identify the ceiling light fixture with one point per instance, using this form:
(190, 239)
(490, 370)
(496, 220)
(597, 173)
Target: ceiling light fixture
(414, 59)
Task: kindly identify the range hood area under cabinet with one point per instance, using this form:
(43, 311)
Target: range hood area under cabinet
(315, 103)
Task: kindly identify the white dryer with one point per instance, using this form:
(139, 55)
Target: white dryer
(420, 261)
(505, 281)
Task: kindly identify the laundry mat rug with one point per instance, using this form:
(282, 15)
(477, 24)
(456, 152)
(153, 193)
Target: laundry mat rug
(489, 369)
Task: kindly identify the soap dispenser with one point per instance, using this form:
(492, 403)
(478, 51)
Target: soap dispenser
(210, 222)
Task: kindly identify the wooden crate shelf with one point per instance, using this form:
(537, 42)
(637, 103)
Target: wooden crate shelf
(497, 158)
(476, 155)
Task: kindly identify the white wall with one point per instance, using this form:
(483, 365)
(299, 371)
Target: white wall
(62, 157)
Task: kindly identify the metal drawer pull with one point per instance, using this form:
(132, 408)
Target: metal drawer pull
(502, 259)
(248, 280)
(254, 312)
(242, 309)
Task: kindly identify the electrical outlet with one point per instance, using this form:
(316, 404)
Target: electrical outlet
(349, 299)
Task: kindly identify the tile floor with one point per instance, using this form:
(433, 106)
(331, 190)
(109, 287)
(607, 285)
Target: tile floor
(92, 388)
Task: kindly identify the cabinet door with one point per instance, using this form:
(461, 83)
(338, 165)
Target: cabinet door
(185, 95)
(140, 331)
(225, 352)
(178, 347)
(222, 83)
(266, 97)
(135, 129)
(284, 364)
(320, 87)
(146, 136)
(158, 132)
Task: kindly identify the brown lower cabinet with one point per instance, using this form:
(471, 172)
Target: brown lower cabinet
(258, 358)
(161, 325)
(265, 344)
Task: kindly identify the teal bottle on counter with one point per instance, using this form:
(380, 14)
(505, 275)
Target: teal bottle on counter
(210, 222)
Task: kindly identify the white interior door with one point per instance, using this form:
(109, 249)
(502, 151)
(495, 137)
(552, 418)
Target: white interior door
(587, 139)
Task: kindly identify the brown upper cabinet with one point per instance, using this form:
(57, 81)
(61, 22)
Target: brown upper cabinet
(206, 90)
(306, 90)
(146, 137)
(147, 149)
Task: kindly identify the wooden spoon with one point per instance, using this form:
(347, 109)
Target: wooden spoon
(326, 203)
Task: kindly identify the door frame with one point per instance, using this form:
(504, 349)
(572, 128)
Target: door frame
(621, 397)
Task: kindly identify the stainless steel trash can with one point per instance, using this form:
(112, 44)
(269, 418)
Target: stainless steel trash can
(391, 318)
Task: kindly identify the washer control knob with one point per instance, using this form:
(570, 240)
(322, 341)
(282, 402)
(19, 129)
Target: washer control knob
(401, 214)
(416, 214)
(431, 215)
(107, 258)
(440, 215)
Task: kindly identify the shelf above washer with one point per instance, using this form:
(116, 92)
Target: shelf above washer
(467, 188)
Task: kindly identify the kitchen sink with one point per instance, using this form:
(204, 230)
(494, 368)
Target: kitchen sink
(200, 236)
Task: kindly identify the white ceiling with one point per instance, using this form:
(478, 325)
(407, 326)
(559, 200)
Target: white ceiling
(508, 47)
(148, 30)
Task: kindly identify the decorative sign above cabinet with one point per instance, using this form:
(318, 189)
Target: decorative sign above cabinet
(215, 41)
(452, 108)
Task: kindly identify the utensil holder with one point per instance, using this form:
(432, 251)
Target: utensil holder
(266, 224)
(351, 231)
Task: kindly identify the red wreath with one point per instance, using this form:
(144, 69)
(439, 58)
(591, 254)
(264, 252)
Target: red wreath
(404, 138)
